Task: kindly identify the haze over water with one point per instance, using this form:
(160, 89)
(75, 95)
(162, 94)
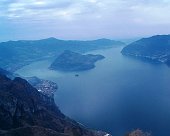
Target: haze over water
(119, 95)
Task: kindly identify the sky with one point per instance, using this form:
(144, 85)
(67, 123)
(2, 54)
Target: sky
(83, 19)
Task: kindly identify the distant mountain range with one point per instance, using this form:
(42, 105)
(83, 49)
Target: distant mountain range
(15, 54)
(72, 61)
(155, 48)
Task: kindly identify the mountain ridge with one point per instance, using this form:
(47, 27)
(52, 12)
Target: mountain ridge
(25, 52)
(155, 48)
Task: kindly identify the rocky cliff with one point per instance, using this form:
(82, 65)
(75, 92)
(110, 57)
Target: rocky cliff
(25, 111)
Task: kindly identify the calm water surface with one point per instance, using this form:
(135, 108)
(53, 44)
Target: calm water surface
(119, 95)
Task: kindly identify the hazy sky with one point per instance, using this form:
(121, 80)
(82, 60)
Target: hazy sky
(83, 19)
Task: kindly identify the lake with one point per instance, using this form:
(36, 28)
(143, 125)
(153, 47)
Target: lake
(120, 94)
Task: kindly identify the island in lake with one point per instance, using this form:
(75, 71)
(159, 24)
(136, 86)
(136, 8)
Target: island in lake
(17, 51)
(72, 61)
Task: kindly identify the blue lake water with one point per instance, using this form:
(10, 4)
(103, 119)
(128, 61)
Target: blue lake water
(120, 94)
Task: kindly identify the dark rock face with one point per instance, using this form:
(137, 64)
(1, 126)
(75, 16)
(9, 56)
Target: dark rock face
(156, 48)
(32, 131)
(22, 107)
(7, 73)
(71, 61)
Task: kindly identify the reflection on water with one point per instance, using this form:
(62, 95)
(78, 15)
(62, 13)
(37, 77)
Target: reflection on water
(119, 95)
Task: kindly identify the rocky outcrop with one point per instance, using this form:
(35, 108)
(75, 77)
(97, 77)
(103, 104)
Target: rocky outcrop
(7, 73)
(71, 61)
(24, 111)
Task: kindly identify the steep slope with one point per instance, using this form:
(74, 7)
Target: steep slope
(156, 48)
(7, 73)
(22, 108)
(46, 87)
(15, 54)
